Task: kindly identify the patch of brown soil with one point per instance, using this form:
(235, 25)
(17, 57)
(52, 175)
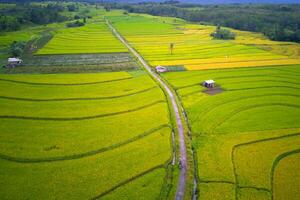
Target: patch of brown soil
(213, 91)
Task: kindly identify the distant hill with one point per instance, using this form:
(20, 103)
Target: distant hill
(182, 1)
(215, 1)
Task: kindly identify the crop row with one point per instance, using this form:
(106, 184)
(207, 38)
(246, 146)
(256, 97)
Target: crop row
(256, 104)
(82, 155)
(267, 157)
(77, 99)
(66, 79)
(104, 135)
(269, 152)
(91, 175)
(193, 46)
(102, 90)
(78, 59)
(91, 38)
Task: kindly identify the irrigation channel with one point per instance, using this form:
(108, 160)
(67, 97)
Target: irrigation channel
(183, 152)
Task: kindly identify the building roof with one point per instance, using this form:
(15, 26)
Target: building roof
(209, 81)
(160, 67)
(14, 60)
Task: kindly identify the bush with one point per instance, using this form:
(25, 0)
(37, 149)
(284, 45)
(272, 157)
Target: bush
(8, 23)
(17, 48)
(223, 34)
(72, 8)
(77, 17)
(75, 24)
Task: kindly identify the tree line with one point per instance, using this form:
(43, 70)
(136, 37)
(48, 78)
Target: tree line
(277, 22)
(12, 18)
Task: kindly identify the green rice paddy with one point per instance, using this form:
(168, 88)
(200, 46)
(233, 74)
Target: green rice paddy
(108, 135)
(240, 133)
(83, 136)
(195, 49)
(94, 37)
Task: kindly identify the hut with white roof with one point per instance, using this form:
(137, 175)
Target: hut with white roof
(209, 83)
(161, 69)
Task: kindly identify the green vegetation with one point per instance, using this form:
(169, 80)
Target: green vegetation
(277, 21)
(74, 63)
(108, 135)
(17, 48)
(223, 34)
(91, 38)
(239, 132)
(195, 49)
(286, 178)
(98, 132)
(77, 23)
(13, 18)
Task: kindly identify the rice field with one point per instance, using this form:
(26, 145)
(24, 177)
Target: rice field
(246, 137)
(94, 37)
(83, 136)
(195, 49)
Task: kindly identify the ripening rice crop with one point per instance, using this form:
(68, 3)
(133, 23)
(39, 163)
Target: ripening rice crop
(83, 136)
(286, 177)
(239, 132)
(193, 47)
(92, 38)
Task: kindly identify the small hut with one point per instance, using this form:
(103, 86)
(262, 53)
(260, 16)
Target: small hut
(160, 69)
(13, 62)
(209, 83)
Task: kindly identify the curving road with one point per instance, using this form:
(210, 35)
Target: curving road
(183, 160)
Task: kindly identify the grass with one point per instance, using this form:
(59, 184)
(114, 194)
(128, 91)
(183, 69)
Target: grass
(94, 37)
(286, 178)
(241, 128)
(47, 91)
(149, 184)
(195, 49)
(85, 130)
(84, 178)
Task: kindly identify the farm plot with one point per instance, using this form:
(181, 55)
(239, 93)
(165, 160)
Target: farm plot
(79, 63)
(193, 47)
(94, 37)
(243, 135)
(6, 39)
(83, 136)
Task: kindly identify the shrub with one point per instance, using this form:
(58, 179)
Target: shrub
(77, 17)
(223, 34)
(72, 8)
(75, 24)
(17, 48)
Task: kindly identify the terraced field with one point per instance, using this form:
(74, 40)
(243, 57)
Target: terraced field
(195, 49)
(247, 137)
(94, 37)
(83, 136)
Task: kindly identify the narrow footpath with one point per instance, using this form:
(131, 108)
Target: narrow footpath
(183, 157)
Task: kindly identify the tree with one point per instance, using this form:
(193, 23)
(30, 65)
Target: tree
(72, 7)
(223, 34)
(107, 8)
(171, 48)
(77, 23)
(17, 48)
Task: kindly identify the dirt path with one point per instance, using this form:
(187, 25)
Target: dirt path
(183, 159)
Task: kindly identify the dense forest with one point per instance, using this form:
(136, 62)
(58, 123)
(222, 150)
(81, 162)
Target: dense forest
(278, 22)
(12, 18)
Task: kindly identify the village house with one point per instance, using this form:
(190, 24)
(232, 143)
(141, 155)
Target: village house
(13, 62)
(209, 83)
(161, 69)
